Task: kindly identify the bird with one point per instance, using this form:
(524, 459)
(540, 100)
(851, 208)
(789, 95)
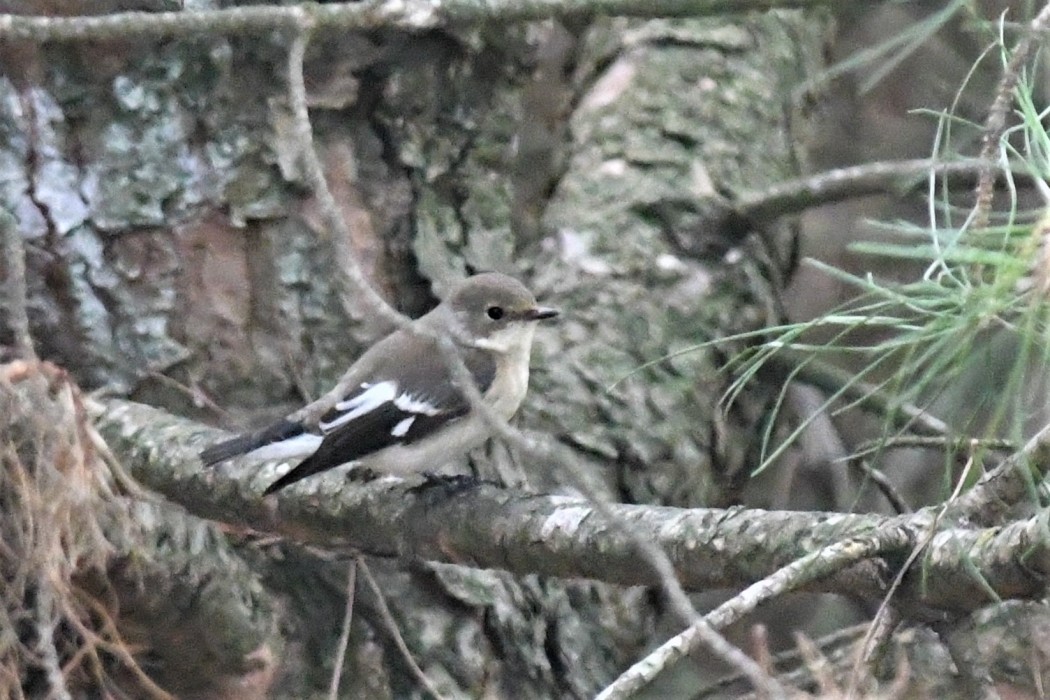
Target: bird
(397, 410)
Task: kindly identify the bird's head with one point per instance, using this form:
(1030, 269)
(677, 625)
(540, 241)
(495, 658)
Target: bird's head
(497, 312)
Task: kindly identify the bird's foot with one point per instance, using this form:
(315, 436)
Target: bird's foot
(362, 474)
(449, 484)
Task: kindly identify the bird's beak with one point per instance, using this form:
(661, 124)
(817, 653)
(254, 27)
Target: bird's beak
(540, 313)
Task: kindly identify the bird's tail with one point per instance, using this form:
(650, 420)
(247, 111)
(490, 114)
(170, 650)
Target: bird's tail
(249, 442)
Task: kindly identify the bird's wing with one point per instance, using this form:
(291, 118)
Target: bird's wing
(406, 396)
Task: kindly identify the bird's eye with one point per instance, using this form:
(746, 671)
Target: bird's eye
(495, 312)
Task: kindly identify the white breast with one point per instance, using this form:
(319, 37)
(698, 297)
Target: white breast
(513, 347)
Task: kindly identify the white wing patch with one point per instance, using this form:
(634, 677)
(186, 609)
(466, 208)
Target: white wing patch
(410, 404)
(373, 396)
(297, 447)
(401, 428)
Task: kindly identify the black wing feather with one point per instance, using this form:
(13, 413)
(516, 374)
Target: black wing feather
(373, 430)
(363, 436)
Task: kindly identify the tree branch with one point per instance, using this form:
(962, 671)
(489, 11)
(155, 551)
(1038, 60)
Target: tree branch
(995, 123)
(994, 496)
(488, 527)
(835, 185)
(825, 561)
(409, 14)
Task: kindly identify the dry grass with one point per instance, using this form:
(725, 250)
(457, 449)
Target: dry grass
(57, 635)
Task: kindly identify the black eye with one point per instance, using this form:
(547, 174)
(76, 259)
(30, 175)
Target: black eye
(495, 312)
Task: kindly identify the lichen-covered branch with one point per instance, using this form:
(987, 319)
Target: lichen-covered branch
(411, 15)
(989, 501)
(794, 196)
(824, 561)
(489, 527)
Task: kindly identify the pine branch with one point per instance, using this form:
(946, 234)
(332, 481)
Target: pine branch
(487, 527)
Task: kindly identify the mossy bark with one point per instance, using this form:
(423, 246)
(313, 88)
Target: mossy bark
(175, 257)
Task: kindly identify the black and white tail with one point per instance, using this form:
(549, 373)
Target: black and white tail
(283, 439)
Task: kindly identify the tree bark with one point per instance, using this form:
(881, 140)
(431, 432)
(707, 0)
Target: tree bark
(175, 258)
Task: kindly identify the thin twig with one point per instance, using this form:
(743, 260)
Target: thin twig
(813, 566)
(885, 613)
(932, 442)
(391, 625)
(1000, 489)
(867, 396)
(885, 487)
(193, 393)
(15, 292)
(406, 14)
(794, 196)
(818, 665)
(876, 640)
(791, 656)
(315, 177)
(995, 124)
(108, 641)
(344, 634)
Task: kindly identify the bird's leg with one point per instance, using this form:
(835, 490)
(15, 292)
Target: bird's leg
(450, 484)
(362, 474)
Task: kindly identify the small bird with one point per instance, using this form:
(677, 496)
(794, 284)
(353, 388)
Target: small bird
(397, 409)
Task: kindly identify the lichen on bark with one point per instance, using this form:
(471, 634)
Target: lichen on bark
(541, 150)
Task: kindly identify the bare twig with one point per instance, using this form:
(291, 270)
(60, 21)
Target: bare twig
(340, 233)
(885, 487)
(885, 615)
(931, 442)
(814, 566)
(876, 640)
(1003, 487)
(793, 196)
(828, 644)
(95, 642)
(391, 624)
(407, 14)
(995, 124)
(344, 633)
(818, 665)
(15, 292)
(193, 393)
(867, 396)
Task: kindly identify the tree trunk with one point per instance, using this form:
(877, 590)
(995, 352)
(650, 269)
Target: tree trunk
(175, 257)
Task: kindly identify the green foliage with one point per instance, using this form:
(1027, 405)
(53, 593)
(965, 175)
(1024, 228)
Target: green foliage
(968, 336)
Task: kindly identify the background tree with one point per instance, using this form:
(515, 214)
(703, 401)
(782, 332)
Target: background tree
(182, 251)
